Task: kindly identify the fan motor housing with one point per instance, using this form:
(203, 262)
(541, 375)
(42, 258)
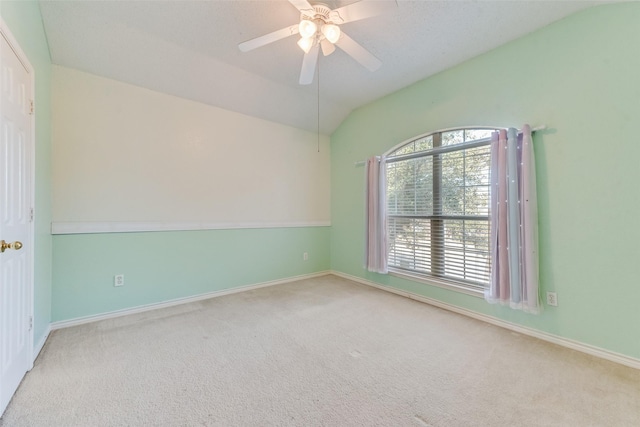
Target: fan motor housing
(322, 12)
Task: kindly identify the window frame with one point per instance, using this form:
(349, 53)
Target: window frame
(461, 286)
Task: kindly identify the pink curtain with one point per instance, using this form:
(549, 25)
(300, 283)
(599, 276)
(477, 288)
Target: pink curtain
(514, 221)
(376, 220)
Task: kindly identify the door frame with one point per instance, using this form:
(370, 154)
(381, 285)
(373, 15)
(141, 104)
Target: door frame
(31, 146)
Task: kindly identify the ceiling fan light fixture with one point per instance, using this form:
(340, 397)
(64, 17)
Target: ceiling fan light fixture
(307, 28)
(306, 43)
(319, 28)
(331, 32)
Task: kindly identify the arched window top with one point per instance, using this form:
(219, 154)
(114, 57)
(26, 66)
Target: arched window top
(444, 138)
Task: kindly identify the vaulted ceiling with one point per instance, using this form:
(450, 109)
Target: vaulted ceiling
(190, 49)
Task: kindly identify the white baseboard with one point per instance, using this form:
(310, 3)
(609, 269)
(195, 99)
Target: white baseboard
(142, 308)
(38, 347)
(555, 339)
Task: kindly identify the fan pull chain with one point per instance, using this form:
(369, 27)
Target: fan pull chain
(318, 73)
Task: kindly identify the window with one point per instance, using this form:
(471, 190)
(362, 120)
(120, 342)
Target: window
(438, 207)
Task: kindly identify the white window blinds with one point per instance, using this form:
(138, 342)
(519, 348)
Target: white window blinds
(438, 207)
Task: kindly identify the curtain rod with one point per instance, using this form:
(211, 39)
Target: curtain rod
(535, 129)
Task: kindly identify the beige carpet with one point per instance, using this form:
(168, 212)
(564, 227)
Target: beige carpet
(320, 352)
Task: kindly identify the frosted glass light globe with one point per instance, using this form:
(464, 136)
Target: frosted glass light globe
(307, 28)
(331, 32)
(305, 44)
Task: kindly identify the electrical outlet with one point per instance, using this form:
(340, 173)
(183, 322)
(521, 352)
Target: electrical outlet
(118, 280)
(305, 256)
(552, 299)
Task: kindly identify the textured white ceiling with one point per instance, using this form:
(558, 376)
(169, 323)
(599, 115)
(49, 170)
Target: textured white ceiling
(189, 49)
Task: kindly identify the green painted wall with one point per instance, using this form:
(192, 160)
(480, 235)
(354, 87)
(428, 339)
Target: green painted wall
(161, 266)
(24, 20)
(580, 77)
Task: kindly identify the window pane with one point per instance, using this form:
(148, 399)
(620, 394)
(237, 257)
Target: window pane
(466, 250)
(453, 183)
(452, 137)
(473, 134)
(422, 144)
(407, 149)
(465, 182)
(410, 244)
(410, 187)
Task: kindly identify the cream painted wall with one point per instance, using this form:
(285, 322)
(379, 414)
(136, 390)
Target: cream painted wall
(127, 154)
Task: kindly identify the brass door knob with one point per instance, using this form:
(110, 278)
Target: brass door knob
(15, 245)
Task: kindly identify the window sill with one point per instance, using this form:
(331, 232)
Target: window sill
(432, 281)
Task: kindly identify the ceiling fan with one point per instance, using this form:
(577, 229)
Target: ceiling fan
(319, 28)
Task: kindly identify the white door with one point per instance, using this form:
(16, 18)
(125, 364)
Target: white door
(15, 219)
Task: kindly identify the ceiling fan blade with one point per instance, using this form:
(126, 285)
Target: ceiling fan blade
(268, 38)
(327, 47)
(361, 10)
(309, 65)
(304, 7)
(360, 54)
